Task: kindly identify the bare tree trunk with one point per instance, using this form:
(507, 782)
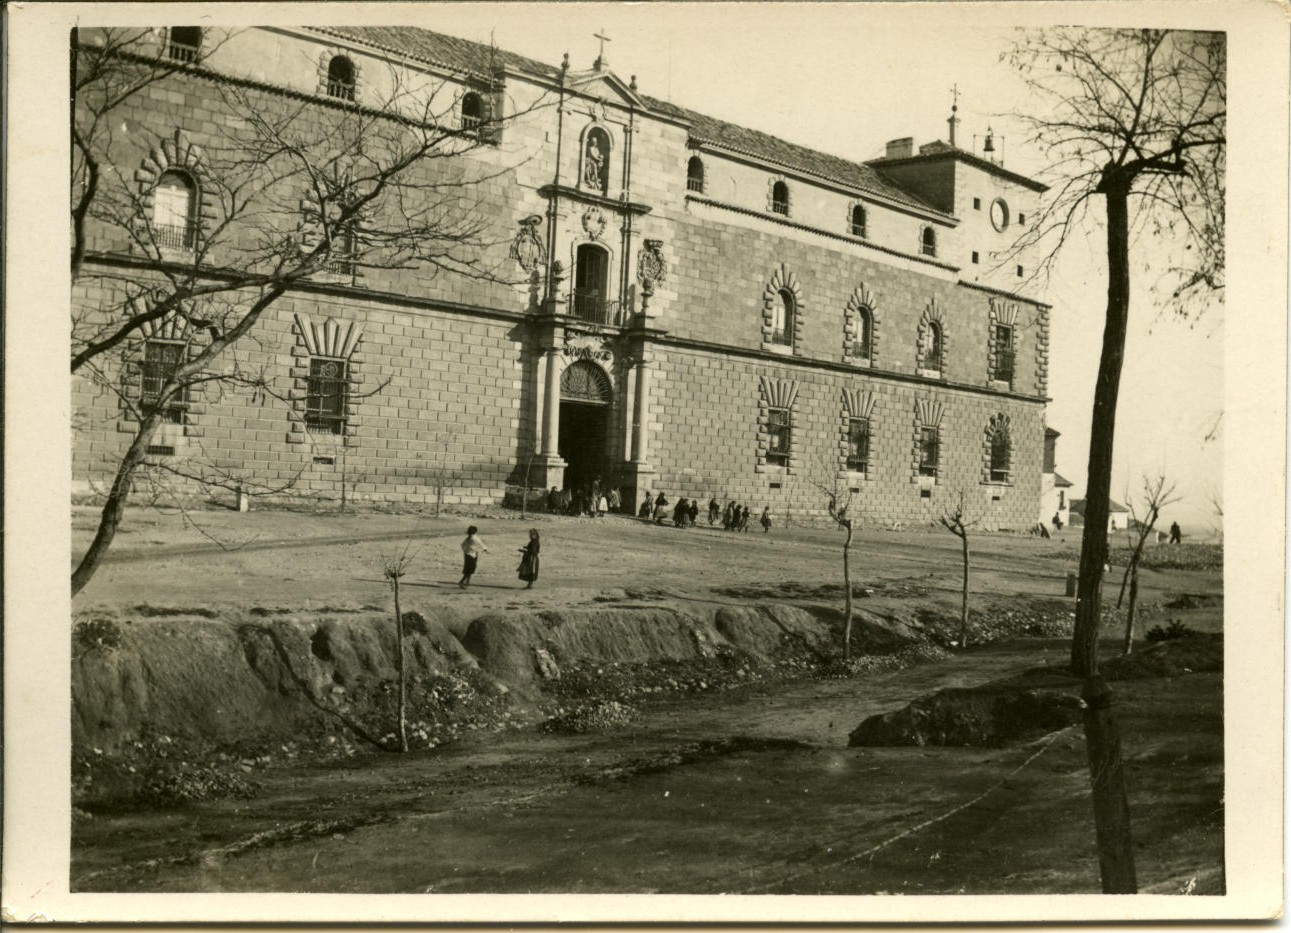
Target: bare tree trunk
(403, 676)
(1107, 774)
(963, 606)
(1102, 737)
(847, 593)
(115, 507)
(1128, 648)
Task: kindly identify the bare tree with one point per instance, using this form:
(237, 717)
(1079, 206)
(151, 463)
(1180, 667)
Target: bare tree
(1136, 117)
(1157, 494)
(291, 189)
(839, 512)
(954, 522)
(395, 567)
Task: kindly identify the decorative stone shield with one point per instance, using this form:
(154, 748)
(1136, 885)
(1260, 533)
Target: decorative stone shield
(527, 248)
(652, 267)
(594, 222)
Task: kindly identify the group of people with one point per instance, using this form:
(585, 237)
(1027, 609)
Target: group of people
(473, 547)
(588, 499)
(685, 514)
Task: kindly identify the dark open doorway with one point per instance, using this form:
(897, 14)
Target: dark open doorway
(582, 443)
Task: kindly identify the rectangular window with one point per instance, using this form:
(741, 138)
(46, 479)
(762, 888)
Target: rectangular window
(974, 257)
(858, 445)
(929, 451)
(325, 396)
(160, 360)
(1019, 272)
(779, 436)
(977, 204)
(1002, 335)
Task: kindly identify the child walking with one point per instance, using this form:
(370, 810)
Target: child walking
(472, 547)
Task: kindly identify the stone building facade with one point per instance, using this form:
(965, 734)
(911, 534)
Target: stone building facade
(687, 305)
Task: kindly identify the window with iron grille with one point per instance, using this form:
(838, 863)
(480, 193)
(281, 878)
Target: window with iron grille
(929, 450)
(858, 445)
(858, 221)
(472, 111)
(695, 174)
(325, 395)
(863, 345)
(1002, 335)
(932, 359)
(174, 200)
(160, 360)
(779, 436)
(340, 78)
(780, 198)
(928, 242)
(184, 43)
(343, 258)
(782, 319)
(1000, 457)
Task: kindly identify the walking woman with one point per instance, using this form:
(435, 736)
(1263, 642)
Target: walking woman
(528, 569)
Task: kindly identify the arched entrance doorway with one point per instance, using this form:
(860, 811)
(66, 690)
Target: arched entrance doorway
(584, 408)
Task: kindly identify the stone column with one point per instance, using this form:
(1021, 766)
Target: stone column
(641, 413)
(551, 404)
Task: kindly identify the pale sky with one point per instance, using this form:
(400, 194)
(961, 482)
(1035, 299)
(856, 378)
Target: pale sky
(847, 77)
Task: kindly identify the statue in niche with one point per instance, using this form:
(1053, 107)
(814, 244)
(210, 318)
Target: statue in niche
(595, 167)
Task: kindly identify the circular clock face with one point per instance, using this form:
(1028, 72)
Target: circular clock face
(999, 214)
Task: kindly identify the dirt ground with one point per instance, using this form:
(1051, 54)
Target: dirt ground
(744, 789)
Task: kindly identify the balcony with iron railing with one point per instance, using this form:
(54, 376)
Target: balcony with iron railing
(179, 237)
(183, 52)
(589, 304)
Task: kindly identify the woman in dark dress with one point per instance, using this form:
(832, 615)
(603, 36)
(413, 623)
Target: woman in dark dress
(528, 569)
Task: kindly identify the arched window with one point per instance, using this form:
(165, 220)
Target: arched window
(589, 299)
(928, 242)
(858, 220)
(596, 160)
(864, 333)
(184, 43)
(340, 78)
(782, 318)
(695, 174)
(932, 359)
(472, 111)
(780, 198)
(1000, 456)
(173, 202)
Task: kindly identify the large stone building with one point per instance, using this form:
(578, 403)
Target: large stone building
(677, 303)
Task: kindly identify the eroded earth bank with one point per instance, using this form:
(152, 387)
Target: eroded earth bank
(695, 729)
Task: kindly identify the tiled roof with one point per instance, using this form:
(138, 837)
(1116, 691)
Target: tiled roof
(437, 49)
(1061, 482)
(855, 175)
(1078, 506)
(476, 58)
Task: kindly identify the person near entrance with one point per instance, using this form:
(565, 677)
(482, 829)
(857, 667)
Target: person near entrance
(766, 519)
(528, 569)
(646, 504)
(660, 503)
(472, 548)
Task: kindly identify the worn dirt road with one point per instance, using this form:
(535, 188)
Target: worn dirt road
(750, 791)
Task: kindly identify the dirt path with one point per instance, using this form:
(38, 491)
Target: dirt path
(752, 790)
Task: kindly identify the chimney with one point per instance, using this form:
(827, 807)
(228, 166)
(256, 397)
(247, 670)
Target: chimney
(901, 148)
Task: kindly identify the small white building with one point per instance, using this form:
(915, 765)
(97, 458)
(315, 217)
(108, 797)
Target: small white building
(1118, 516)
(1055, 501)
